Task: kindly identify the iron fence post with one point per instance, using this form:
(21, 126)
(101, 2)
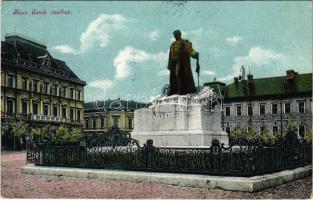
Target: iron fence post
(82, 153)
(27, 150)
(149, 155)
(303, 153)
(41, 153)
(215, 152)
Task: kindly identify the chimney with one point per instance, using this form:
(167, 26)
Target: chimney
(290, 74)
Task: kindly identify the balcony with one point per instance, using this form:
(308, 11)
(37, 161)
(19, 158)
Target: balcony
(15, 115)
(39, 118)
(46, 118)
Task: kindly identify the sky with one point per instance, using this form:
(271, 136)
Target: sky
(121, 48)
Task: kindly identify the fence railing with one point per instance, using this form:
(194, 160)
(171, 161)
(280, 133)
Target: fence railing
(237, 160)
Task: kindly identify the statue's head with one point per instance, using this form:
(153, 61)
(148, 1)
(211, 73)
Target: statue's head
(177, 34)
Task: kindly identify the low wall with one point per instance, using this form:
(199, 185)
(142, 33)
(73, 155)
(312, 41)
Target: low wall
(247, 184)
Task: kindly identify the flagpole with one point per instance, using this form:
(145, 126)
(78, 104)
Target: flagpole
(198, 72)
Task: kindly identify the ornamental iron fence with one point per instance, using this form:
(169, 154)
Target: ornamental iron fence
(115, 151)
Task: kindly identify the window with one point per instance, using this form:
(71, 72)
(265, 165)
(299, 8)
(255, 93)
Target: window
(250, 110)
(301, 107)
(78, 115)
(301, 130)
(274, 109)
(46, 109)
(262, 129)
(238, 110)
(72, 93)
(72, 114)
(41, 88)
(227, 110)
(287, 107)
(227, 129)
(262, 109)
(275, 128)
(55, 110)
(64, 91)
(94, 123)
(51, 90)
(11, 80)
(78, 94)
(46, 87)
(30, 86)
(64, 112)
(55, 89)
(24, 107)
(35, 108)
(102, 122)
(86, 123)
(10, 106)
(24, 83)
(35, 85)
(60, 92)
(115, 122)
(130, 123)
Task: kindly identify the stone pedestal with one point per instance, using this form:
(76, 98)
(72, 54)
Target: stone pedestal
(181, 120)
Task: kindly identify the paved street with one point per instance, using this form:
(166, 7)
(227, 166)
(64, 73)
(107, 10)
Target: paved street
(17, 185)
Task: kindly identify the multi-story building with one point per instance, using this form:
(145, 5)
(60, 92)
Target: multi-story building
(267, 103)
(100, 116)
(38, 88)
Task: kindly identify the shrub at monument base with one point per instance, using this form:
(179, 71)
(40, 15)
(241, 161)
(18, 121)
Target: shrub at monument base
(61, 136)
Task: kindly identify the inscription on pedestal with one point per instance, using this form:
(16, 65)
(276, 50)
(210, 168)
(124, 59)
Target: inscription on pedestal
(165, 116)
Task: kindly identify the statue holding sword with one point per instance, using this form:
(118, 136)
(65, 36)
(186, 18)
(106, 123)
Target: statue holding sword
(181, 79)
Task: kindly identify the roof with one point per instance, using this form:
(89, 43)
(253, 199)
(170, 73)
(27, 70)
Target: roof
(272, 86)
(32, 55)
(114, 104)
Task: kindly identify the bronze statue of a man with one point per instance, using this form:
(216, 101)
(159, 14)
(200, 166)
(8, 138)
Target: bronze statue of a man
(181, 79)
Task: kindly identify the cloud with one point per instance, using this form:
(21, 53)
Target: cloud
(101, 84)
(64, 49)
(208, 72)
(129, 56)
(233, 40)
(261, 60)
(125, 57)
(123, 63)
(153, 35)
(258, 56)
(98, 32)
